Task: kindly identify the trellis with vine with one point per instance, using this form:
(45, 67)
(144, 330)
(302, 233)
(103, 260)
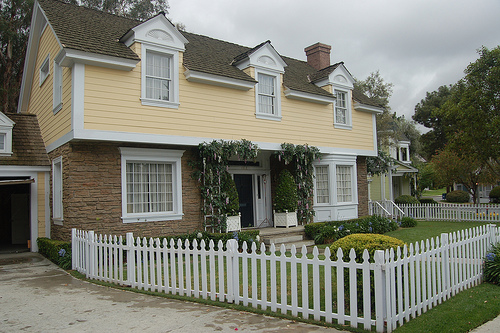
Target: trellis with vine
(303, 157)
(210, 169)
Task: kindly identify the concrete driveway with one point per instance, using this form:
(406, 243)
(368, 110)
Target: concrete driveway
(37, 296)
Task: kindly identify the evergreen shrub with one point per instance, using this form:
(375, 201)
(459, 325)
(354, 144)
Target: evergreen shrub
(495, 195)
(406, 200)
(360, 242)
(408, 222)
(285, 197)
(458, 196)
(232, 199)
(427, 201)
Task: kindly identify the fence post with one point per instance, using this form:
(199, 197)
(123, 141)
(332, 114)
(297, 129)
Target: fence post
(130, 258)
(233, 278)
(492, 234)
(73, 249)
(91, 259)
(380, 292)
(445, 262)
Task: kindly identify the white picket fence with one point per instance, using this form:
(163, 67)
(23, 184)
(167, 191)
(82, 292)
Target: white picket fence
(438, 212)
(387, 292)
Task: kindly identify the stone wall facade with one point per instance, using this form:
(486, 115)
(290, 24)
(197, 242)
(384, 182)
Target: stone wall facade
(92, 193)
(362, 186)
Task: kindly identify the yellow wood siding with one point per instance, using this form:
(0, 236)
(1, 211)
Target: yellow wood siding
(41, 203)
(112, 103)
(52, 126)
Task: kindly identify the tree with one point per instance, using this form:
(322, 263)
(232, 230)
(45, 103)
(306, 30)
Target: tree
(475, 108)
(429, 113)
(449, 167)
(135, 9)
(15, 18)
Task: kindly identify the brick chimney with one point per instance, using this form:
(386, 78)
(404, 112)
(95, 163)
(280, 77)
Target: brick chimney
(318, 55)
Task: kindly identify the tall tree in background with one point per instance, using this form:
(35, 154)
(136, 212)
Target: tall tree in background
(429, 113)
(475, 110)
(15, 18)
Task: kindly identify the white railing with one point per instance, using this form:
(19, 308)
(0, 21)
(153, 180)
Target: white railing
(405, 283)
(385, 208)
(453, 212)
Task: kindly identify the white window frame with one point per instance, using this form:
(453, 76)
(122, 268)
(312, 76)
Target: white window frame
(57, 88)
(45, 69)
(348, 114)
(352, 182)
(277, 98)
(3, 142)
(328, 185)
(57, 190)
(173, 101)
(153, 156)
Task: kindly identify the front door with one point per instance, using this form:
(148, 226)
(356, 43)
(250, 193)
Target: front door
(245, 193)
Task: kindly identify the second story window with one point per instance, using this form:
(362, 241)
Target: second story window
(341, 108)
(267, 94)
(158, 76)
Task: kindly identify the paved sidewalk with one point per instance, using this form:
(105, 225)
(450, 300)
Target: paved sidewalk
(37, 296)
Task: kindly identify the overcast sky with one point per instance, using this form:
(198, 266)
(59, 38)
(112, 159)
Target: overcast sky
(418, 45)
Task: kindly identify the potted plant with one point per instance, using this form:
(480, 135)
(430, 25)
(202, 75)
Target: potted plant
(233, 216)
(285, 201)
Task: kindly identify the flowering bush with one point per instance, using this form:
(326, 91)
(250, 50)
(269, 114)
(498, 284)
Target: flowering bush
(492, 265)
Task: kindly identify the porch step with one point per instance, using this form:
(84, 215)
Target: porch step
(288, 236)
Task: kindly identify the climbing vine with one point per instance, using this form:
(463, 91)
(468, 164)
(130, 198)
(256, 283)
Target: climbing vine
(211, 172)
(303, 156)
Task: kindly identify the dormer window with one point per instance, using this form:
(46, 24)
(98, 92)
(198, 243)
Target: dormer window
(44, 70)
(267, 94)
(6, 126)
(342, 109)
(158, 76)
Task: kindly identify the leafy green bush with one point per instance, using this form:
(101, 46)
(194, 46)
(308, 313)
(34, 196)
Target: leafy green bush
(427, 201)
(248, 236)
(408, 222)
(232, 200)
(495, 194)
(285, 198)
(55, 250)
(406, 200)
(323, 232)
(492, 265)
(360, 242)
(457, 196)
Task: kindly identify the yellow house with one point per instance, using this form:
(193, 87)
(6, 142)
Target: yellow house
(398, 180)
(122, 106)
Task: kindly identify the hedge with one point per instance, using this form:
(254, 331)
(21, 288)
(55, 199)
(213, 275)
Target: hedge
(458, 196)
(406, 200)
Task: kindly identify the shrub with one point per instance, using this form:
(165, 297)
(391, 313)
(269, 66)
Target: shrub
(285, 198)
(458, 196)
(492, 265)
(360, 242)
(406, 200)
(408, 222)
(232, 200)
(59, 252)
(428, 201)
(495, 194)
(248, 236)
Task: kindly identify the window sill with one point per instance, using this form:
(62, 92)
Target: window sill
(58, 221)
(57, 108)
(159, 103)
(151, 218)
(267, 116)
(343, 126)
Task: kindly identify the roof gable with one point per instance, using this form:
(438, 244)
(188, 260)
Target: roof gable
(336, 75)
(157, 31)
(263, 56)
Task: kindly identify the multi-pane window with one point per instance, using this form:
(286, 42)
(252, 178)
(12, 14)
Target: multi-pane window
(2, 141)
(158, 76)
(149, 187)
(44, 70)
(344, 183)
(341, 108)
(322, 193)
(267, 94)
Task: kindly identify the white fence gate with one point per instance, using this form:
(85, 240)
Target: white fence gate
(389, 290)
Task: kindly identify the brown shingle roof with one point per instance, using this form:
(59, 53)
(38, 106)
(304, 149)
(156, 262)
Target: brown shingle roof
(89, 30)
(27, 144)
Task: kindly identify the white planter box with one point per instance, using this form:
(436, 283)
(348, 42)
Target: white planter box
(287, 219)
(233, 223)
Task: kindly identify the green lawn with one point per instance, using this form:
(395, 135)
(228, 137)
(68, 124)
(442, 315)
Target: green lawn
(432, 193)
